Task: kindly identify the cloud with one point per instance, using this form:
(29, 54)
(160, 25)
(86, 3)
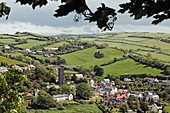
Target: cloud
(12, 27)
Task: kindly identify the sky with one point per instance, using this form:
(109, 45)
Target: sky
(23, 18)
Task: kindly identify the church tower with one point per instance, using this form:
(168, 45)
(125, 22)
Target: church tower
(61, 77)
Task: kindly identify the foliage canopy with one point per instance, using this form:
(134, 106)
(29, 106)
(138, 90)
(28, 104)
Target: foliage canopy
(104, 16)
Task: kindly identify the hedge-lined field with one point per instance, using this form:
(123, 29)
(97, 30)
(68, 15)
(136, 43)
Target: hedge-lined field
(10, 61)
(31, 43)
(8, 41)
(85, 57)
(56, 45)
(129, 67)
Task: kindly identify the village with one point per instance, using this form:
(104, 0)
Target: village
(136, 93)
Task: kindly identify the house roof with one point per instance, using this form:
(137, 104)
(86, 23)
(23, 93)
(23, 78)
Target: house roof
(150, 78)
(168, 82)
(118, 97)
(47, 48)
(95, 86)
(121, 96)
(29, 95)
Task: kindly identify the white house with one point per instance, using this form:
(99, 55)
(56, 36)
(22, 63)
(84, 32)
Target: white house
(127, 80)
(3, 69)
(63, 97)
(154, 97)
(167, 83)
(78, 75)
(106, 80)
(91, 82)
(6, 47)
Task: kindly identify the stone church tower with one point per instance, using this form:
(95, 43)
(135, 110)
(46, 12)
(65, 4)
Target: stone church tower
(61, 77)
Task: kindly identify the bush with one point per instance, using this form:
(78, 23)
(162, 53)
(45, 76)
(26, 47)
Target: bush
(60, 106)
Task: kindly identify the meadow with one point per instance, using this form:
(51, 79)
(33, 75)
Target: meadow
(156, 55)
(8, 41)
(156, 43)
(129, 66)
(82, 108)
(85, 57)
(56, 45)
(30, 43)
(10, 61)
(123, 46)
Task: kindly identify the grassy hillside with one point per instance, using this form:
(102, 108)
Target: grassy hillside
(31, 43)
(82, 108)
(156, 55)
(56, 45)
(129, 67)
(85, 57)
(10, 61)
(8, 41)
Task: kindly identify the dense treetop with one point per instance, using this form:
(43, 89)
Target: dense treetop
(104, 16)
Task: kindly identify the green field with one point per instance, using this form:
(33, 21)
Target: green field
(88, 39)
(156, 43)
(56, 45)
(82, 108)
(31, 43)
(158, 35)
(5, 36)
(85, 57)
(10, 61)
(156, 55)
(13, 54)
(129, 67)
(43, 58)
(123, 46)
(167, 108)
(133, 39)
(8, 41)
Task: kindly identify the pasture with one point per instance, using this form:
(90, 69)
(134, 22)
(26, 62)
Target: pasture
(56, 45)
(81, 108)
(8, 41)
(129, 67)
(156, 55)
(30, 43)
(85, 57)
(123, 46)
(156, 43)
(10, 61)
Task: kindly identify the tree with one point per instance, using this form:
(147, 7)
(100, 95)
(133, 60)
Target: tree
(65, 88)
(44, 100)
(84, 91)
(104, 16)
(98, 55)
(104, 107)
(11, 100)
(98, 70)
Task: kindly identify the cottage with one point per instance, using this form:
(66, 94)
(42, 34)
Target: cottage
(28, 97)
(155, 98)
(3, 69)
(17, 67)
(28, 50)
(115, 100)
(106, 80)
(154, 107)
(6, 47)
(167, 83)
(91, 82)
(63, 97)
(31, 67)
(152, 80)
(127, 80)
(78, 75)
